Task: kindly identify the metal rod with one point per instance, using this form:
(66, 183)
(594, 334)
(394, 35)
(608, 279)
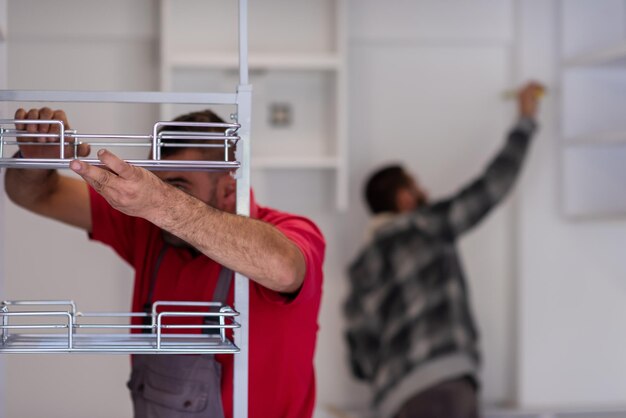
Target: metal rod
(199, 125)
(99, 350)
(68, 315)
(5, 322)
(242, 293)
(229, 131)
(106, 326)
(117, 144)
(196, 136)
(61, 139)
(180, 165)
(205, 314)
(111, 314)
(33, 326)
(117, 97)
(222, 323)
(191, 145)
(69, 303)
(243, 42)
(223, 327)
(156, 304)
(111, 136)
(120, 144)
(158, 330)
(156, 149)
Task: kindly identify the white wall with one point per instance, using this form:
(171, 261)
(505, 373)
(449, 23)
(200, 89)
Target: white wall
(74, 44)
(427, 87)
(425, 83)
(572, 283)
(426, 79)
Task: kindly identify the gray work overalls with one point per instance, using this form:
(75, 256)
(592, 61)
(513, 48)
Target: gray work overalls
(177, 386)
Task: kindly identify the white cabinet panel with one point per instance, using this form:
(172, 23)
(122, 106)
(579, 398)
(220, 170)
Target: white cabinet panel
(593, 99)
(82, 20)
(591, 24)
(432, 20)
(594, 181)
(275, 25)
(411, 100)
(593, 103)
(297, 69)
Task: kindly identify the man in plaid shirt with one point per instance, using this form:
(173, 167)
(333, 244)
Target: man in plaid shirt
(411, 332)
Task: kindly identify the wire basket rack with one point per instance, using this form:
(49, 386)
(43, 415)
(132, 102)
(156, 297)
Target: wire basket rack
(220, 136)
(55, 326)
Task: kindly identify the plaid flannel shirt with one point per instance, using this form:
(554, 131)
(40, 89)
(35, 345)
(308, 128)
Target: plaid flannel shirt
(408, 304)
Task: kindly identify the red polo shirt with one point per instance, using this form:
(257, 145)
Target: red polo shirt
(282, 332)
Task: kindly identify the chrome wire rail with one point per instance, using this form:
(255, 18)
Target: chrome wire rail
(54, 326)
(222, 136)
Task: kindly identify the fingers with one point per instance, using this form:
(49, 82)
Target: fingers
(96, 177)
(20, 114)
(83, 150)
(60, 115)
(533, 89)
(44, 129)
(33, 114)
(45, 113)
(116, 164)
(528, 98)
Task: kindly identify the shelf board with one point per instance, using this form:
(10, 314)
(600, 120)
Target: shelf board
(294, 162)
(610, 55)
(207, 60)
(599, 138)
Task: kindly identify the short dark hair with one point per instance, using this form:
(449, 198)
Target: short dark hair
(382, 188)
(205, 116)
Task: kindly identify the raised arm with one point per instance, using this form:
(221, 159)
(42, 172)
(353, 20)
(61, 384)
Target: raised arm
(473, 202)
(254, 248)
(45, 192)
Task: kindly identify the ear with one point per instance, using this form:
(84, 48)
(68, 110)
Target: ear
(226, 193)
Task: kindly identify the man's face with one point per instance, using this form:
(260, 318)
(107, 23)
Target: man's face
(411, 197)
(216, 189)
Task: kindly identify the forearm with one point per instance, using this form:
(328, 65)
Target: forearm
(473, 202)
(254, 248)
(501, 173)
(50, 194)
(28, 188)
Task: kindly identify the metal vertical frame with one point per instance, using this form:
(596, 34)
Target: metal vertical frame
(242, 293)
(3, 113)
(242, 100)
(341, 102)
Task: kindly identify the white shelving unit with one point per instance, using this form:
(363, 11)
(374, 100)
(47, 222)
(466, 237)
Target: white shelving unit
(236, 96)
(297, 61)
(607, 55)
(259, 62)
(593, 96)
(3, 113)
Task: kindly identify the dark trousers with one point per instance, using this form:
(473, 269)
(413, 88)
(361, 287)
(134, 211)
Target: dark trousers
(456, 398)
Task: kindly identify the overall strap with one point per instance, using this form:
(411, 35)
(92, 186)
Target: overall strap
(147, 306)
(155, 273)
(223, 285)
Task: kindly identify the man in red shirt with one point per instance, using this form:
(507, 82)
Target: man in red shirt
(177, 229)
